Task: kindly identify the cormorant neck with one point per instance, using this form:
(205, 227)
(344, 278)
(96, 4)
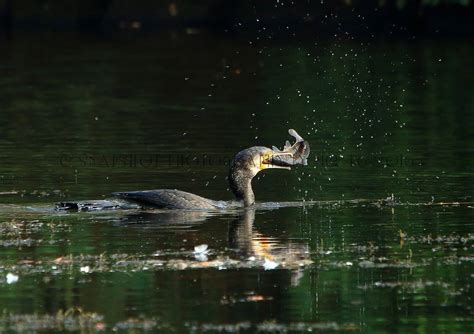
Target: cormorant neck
(240, 182)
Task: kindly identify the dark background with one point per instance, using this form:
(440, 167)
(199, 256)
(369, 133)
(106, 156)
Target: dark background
(277, 18)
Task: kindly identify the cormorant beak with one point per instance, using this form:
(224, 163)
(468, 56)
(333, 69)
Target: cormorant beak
(279, 160)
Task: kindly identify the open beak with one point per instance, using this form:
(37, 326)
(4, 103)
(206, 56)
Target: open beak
(285, 160)
(280, 160)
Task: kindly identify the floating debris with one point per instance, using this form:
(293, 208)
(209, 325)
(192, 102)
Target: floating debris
(103, 263)
(411, 286)
(133, 325)
(442, 239)
(269, 264)
(72, 320)
(75, 320)
(392, 264)
(269, 327)
(12, 278)
(201, 249)
(18, 243)
(13, 192)
(85, 269)
(200, 253)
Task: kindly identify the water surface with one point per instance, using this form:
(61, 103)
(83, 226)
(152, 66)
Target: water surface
(82, 117)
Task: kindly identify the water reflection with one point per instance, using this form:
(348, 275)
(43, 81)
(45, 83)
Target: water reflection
(248, 246)
(170, 219)
(250, 242)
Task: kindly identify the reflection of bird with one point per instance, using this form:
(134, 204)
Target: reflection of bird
(250, 248)
(244, 167)
(275, 252)
(244, 237)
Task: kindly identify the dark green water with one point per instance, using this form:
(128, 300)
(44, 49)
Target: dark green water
(82, 117)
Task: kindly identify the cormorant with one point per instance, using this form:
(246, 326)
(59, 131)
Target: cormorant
(246, 164)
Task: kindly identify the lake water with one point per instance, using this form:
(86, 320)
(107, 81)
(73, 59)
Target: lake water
(82, 117)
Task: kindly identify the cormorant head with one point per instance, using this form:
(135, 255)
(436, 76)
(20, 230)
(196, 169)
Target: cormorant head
(249, 162)
(257, 158)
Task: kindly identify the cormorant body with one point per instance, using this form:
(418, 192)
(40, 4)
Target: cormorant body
(246, 164)
(170, 199)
